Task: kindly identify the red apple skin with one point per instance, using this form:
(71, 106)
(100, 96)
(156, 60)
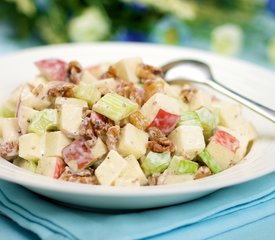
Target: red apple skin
(77, 151)
(53, 69)
(165, 121)
(59, 168)
(226, 140)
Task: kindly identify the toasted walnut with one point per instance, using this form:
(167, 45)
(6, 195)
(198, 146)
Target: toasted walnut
(138, 120)
(202, 172)
(85, 176)
(145, 72)
(112, 137)
(60, 89)
(188, 93)
(153, 86)
(128, 90)
(86, 128)
(74, 72)
(37, 90)
(111, 73)
(9, 150)
(158, 141)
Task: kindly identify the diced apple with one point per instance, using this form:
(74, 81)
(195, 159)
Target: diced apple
(43, 121)
(132, 141)
(229, 113)
(223, 147)
(73, 101)
(70, 119)
(138, 171)
(188, 140)
(51, 166)
(98, 70)
(54, 143)
(126, 69)
(99, 149)
(110, 84)
(162, 112)
(10, 129)
(243, 143)
(128, 177)
(25, 115)
(246, 129)
(53, 69)
(27, 98)
(31, 146)
(23, 163)
(87, 77)
(200, 99)
(77, 155)
(110, 169)
(87, 92)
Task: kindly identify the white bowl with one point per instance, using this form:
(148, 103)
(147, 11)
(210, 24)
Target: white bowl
(248, 79)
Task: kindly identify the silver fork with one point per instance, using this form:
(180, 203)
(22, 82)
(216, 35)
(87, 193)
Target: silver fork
(209, 80)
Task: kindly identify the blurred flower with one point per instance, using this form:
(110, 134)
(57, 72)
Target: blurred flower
(130, 36)
(227, 39)
(271, 6)
(179, 8)
(271, 50)
(91, 25)
(26, 7)
(170, 31)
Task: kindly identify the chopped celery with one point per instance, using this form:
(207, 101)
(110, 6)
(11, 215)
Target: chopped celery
(23, 163)
(44, 120)
(115, 106)
(208, 122)
(189, 118)
(87, 92)
(210, 161)
(155, 162)
(179, 165)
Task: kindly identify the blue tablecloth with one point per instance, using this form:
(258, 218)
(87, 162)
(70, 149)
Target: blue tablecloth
(246, 211)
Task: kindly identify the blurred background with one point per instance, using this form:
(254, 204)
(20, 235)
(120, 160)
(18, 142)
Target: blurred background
(241, 28)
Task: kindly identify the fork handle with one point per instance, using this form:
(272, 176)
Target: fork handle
(256, 107)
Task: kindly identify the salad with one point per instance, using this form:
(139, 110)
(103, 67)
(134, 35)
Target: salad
(119, 124)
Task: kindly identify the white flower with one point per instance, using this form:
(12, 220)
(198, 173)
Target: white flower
(91, 25)
(271, 50)
(227, 39)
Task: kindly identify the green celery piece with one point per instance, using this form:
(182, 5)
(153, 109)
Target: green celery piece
(210, 161)
(155, 162)
(208, 121)
(44, 120)
(189, 118)
(115, 106)
(26, 164)
(7, 110)
(179, 165)
(87, 92)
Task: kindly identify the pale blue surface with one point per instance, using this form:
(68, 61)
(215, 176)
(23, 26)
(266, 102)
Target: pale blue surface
(215, 215)
(246, 211)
